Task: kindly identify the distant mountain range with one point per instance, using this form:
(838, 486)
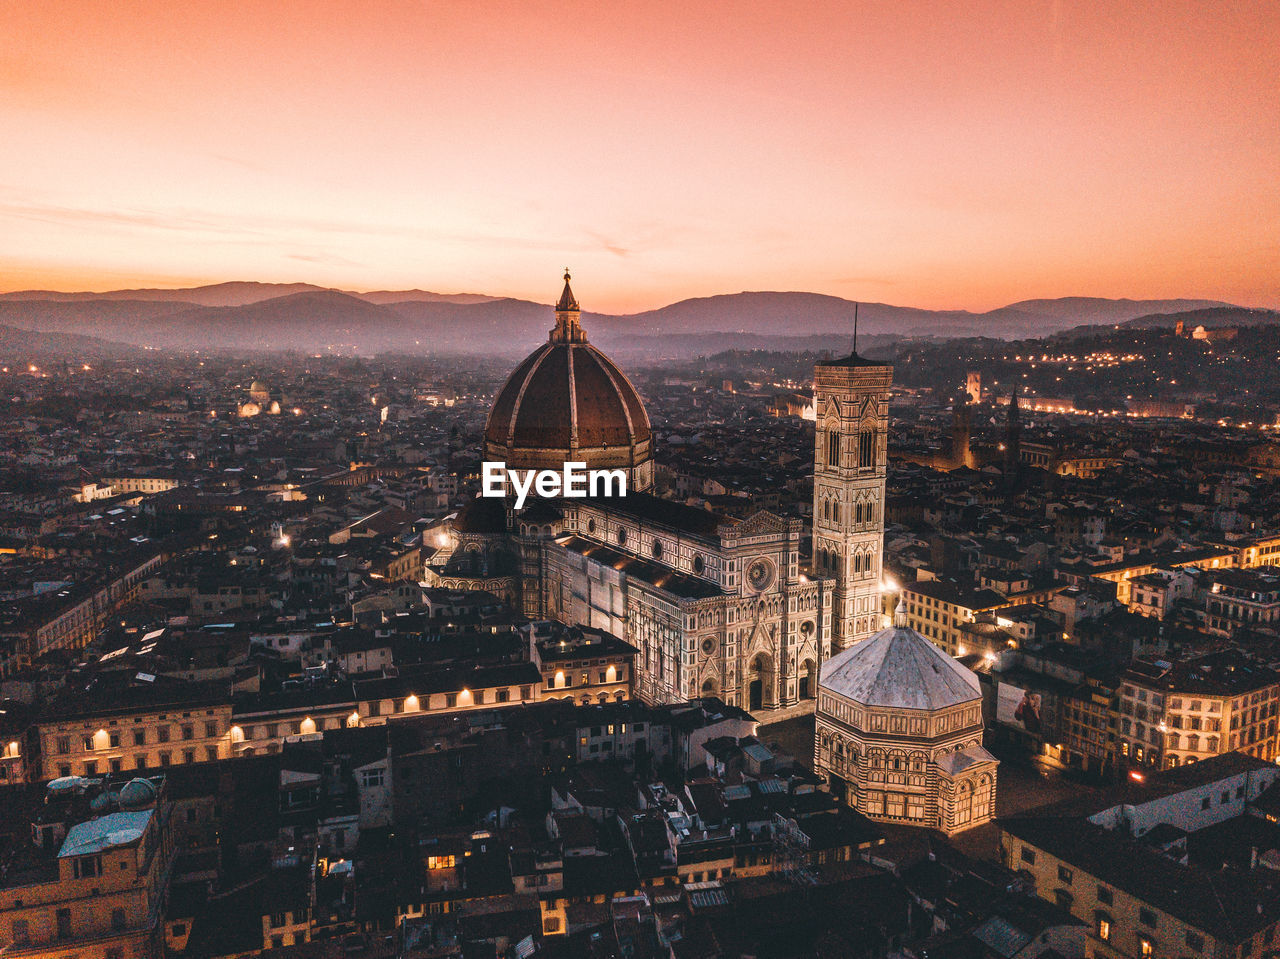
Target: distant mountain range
(299, 316)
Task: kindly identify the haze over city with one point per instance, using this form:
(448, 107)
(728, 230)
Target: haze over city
(965, 157)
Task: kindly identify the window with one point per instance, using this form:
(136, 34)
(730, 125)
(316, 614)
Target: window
(1195, 941)
(114, 740)
(64, 923)
(372, 778)
(188, 731)
(867, 449)
(162, 734)
(1104, 927)
(1028, 855)
(118, 919)
(64, 745)
(188, 756)
(139, 737)
(441, 862)
(1204, 803)
(1147, 917)
(278, 919)
(211, 730)
(833, 447)
(1146, 947)
(21, 932)
(1105, 895)
(1064, 874)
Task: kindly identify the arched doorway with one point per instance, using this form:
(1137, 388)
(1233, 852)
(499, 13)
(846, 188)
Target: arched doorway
(711, 687)
(808, 680)
(760, 683)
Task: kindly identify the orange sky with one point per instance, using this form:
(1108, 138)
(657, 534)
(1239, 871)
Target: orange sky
(929, 154)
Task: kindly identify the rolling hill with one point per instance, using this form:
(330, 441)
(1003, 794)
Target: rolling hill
(258, 316)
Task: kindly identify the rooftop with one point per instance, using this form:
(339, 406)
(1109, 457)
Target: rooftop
(897, 667)
(105, 832)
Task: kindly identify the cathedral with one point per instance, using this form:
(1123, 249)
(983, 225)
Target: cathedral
(715, 606)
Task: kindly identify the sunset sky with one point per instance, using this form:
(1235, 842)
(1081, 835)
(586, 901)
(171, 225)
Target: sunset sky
(950, 154)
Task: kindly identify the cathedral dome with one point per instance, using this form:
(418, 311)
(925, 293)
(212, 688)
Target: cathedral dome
(898, 668)
(569, 402)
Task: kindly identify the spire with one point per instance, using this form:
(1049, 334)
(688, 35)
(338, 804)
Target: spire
(567, 302)
(568, 329)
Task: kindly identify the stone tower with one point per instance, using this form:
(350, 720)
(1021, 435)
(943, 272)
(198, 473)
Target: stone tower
(973, 386)
(1012, 439)
(961, 430)
(851, 402)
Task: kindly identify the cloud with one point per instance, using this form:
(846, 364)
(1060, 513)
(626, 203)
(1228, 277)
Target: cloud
(615, 248)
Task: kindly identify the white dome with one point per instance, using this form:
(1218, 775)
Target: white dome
(899, 668)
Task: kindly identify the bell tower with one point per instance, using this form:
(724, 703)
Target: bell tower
(851, 402)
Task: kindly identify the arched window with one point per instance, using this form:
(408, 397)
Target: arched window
(964, 803)
(982, 798)
(867, 448)
(833, 446)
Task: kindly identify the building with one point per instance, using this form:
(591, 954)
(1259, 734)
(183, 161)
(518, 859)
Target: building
(124, 722)
(1243, 599)
(1176, 713)
(851, 402)
(940, 610)
(92, 873)
(1168, 866)
(582, 664)
(714, 605)
(899, 733)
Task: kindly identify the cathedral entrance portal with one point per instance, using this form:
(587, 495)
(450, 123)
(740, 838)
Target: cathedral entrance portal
(808, 681)
(760, 693)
